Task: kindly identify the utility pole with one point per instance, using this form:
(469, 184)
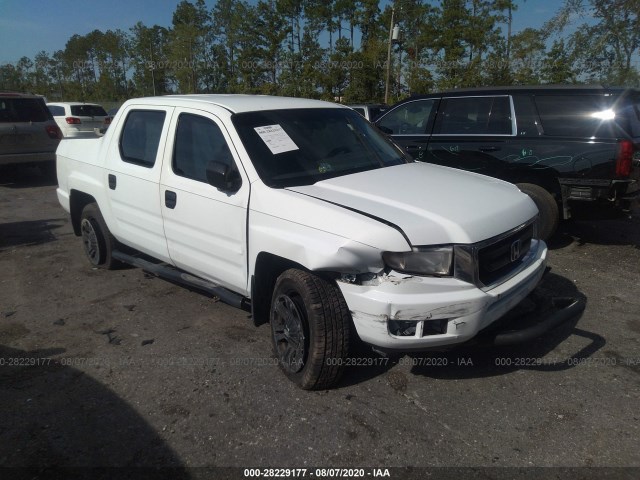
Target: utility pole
(386, 87)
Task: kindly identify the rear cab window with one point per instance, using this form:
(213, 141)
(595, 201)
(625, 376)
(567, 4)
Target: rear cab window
(140, 137)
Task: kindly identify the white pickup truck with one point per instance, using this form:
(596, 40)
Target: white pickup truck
(304, 213)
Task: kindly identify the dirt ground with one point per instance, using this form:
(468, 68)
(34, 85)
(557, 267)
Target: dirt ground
(122, 369)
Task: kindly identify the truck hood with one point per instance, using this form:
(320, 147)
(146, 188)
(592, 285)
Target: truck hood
(430, 204)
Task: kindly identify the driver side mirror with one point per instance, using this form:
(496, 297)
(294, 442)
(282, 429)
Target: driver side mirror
(223, 177)
(386, 130)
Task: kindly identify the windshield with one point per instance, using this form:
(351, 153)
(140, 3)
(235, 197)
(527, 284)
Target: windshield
(303, 146)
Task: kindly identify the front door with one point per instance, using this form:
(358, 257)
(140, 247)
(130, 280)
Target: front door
(206, 228)
(410, 125)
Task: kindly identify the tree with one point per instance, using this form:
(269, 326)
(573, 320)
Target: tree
(149, 46)
(603, 50)
(270, 32)
(186, 50)
(452, 20)
(10, 78)
(557, 66)
(527, 53)
(229, 18)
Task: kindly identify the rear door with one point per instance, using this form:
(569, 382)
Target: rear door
(134, 162)
(473, 133)
(206, 228)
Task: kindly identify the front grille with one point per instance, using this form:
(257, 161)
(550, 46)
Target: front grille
(499, 259)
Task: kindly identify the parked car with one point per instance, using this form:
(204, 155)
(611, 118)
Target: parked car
(559, 145)
(303, 213)
(370, 111)
(28, 133)
(78, 120)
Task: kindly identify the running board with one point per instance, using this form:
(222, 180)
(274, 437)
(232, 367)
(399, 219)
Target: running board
(185, 279)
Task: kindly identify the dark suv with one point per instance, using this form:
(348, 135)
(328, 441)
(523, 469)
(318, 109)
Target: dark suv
(558, 144)
(28, 132)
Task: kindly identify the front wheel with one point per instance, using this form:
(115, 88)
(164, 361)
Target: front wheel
(310, 325)
(549, 214)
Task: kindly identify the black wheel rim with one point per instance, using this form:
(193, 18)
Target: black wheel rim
(90, 241)
(287, 325)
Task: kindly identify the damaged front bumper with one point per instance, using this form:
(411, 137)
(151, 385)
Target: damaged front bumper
(409, 313)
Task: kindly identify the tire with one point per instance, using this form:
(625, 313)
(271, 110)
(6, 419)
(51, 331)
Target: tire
(547, 206)
(97, 241)
(310, 325)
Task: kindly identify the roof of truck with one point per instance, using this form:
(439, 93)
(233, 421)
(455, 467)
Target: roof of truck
(237, 103)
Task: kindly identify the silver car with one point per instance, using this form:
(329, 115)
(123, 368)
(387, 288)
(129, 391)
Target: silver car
(28, 133)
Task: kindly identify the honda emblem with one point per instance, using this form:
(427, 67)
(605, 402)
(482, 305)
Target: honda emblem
(515, 250)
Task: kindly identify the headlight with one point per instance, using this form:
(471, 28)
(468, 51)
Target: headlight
(422, 261)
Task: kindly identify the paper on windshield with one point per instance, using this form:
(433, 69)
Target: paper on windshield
(276, 139)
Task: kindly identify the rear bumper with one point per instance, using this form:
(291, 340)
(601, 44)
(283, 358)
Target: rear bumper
(436, 311)
(75, 133)
(592, 190)
(26, 158)
(63, 199)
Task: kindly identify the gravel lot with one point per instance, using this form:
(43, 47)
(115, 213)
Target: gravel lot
(131, 370)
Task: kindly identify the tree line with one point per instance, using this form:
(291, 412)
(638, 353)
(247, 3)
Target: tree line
(338, 49)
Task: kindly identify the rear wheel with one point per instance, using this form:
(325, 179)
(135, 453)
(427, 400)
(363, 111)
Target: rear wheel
(310, 329)
(547, 206)
(97, 241)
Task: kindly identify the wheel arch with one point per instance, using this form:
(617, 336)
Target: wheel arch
(77, 201)
(268, 267)
(545, 178)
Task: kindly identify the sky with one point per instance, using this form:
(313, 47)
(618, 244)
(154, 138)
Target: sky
(30, 26)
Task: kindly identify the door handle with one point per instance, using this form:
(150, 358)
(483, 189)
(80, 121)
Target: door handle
(112, 181)
(413, 148)
(489, 149)
(170, 199)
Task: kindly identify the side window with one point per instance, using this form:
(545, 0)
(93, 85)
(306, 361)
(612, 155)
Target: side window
(56, 111)
(475, 116)
(528, 124)
(140, 137)
(198, 142)
(576, 115)
(408, 119)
